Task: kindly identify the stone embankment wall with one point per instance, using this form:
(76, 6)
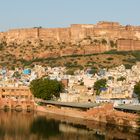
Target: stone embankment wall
(17, 104)
(104, 114)
(107, 114)
(78, 38)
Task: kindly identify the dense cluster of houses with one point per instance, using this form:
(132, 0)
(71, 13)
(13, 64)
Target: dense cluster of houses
(79, 87)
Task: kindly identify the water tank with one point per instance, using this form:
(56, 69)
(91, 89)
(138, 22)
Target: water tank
(26, 71)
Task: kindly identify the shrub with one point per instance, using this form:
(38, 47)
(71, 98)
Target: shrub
(110, 58)
(104, 42)
(113, 44)
(70, 72)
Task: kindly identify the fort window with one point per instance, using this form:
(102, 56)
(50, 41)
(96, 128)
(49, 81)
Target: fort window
(31, 97)
(89, 100)
(12, 96)
(7, 96)
(22, 96)
(16, 96)
(3, 90)
(3, 96)
(26, 97)
(89, 88)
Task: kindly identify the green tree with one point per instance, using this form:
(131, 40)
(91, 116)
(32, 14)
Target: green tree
(128, 66)
(17, 74)
(121, 78)
(93, 71)
(99, 85)
(110, 78)
(45, 88)
(70, 72)
(137, 90)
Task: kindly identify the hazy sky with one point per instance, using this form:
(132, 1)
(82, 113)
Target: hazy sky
(62, 13)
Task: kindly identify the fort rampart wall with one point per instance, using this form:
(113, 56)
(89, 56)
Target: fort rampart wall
(128, 36)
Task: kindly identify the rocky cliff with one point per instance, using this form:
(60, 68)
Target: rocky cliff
(78, 39)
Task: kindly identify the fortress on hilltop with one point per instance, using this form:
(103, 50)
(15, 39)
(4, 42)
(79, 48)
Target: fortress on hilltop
(77, 39)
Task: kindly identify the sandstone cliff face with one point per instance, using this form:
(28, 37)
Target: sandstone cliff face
(74, 40)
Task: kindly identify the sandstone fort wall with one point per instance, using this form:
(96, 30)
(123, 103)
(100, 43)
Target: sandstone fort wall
(128, 36)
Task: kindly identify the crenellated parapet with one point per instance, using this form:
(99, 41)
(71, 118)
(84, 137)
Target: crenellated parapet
(75, 32)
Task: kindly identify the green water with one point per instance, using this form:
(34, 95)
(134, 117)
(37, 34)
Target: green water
(35, 126)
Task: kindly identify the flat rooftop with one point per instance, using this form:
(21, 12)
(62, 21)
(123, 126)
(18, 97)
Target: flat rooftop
(71, 104)
(128, 107)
